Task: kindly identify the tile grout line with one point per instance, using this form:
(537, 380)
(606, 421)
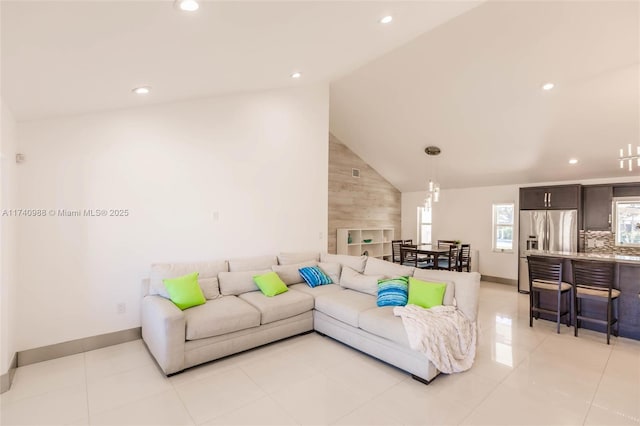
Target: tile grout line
(500, 382)
(372, 398)
(173, 386)
(586, 416)
(137, 399)
(268, 395)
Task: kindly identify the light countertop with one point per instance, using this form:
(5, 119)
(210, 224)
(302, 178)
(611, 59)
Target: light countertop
(619, 258)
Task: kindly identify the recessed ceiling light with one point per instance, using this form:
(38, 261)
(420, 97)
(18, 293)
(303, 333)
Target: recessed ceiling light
(143, 90)
(296, 74)
(188, 5)
(386, 19)
(548, 86)
(573, 161)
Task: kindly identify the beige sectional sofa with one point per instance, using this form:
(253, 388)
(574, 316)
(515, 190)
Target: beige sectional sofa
(237, 316)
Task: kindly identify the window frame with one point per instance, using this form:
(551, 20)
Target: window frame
(420, 224)
(495, 225)
(614, 217)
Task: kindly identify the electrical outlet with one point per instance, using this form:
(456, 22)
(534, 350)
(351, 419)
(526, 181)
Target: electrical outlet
(121, 308)
(590, 243)
(215, 216)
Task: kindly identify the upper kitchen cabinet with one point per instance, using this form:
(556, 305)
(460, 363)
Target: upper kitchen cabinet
(597, 207)
(561, 197)
(626, 189)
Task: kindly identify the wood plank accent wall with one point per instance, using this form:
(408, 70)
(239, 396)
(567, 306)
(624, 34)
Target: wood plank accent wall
(366, 202)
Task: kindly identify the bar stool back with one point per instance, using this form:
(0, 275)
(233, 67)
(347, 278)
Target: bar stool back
(593, 280)
(545, 275)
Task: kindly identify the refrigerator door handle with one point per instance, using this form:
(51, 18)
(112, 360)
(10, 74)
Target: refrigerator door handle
(545, 198)
(547, 233)
(549, 205)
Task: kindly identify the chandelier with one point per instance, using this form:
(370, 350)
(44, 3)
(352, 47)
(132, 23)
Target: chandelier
(629, 157)
(433, 189)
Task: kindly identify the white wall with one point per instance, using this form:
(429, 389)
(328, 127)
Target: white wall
(465, 214)
(258, 159)
(8, 242)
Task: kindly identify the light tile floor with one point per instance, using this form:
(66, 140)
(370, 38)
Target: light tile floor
(521, 376)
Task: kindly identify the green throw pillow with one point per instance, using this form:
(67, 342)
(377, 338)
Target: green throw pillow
(185, 291)
(270, 284)
(426, 294)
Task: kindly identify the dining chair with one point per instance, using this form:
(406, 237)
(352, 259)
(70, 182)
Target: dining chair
(545, 275)
(593, 280)
(465, 257)
(442, 243)
(449, 261)
(408, 256)
(415, 259)
(395, 250)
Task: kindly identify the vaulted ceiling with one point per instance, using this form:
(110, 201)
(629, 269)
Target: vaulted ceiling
(64, 57)
(465, 76)
(472, 86)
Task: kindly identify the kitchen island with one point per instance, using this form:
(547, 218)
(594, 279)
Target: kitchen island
(627, 280)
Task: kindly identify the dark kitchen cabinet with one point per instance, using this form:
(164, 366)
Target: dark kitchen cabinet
(597, 207)
(561, 197)
(626, 189)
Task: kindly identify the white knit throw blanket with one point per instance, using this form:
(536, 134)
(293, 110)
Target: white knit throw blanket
(442, 333)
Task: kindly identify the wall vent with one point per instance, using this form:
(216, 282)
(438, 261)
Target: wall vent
(355, 173)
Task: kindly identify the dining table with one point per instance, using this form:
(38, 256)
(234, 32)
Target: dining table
(432, 250)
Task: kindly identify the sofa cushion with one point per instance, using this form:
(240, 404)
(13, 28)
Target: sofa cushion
(220, 316)
(284, 305)
(314, 276)
(298, 257)
(257, 263)
(426, 294)
(185, 291)
(356, 263)
(393, 291)
(345, 305)
(382, 323)
(382, 267)
(207, 278)
(270, 284)
(435, 276)
(290, 274)
(235, 283)
(332, 269)
(316, 291)
(359, 282)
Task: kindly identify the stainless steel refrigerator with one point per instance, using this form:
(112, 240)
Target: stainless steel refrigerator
(552, 230)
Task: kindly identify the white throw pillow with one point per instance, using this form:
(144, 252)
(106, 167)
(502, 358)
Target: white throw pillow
(332, 269)
(290, 274)
(382, 267)
(354, 262)
(435, 276)
(207, 278)
(359, 282)
(235, 283)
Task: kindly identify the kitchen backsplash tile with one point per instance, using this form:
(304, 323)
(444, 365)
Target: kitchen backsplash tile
(602, 242)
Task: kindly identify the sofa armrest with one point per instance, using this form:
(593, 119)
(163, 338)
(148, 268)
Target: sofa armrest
(164, 332)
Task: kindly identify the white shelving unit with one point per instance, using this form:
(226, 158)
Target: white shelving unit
(378, 245)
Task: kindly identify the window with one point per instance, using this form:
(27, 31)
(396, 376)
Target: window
(626, 212)
(424, 225)
(503, 227)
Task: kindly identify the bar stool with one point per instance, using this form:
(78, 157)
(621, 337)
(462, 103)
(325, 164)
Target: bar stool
(593, 280)
(545, 275)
